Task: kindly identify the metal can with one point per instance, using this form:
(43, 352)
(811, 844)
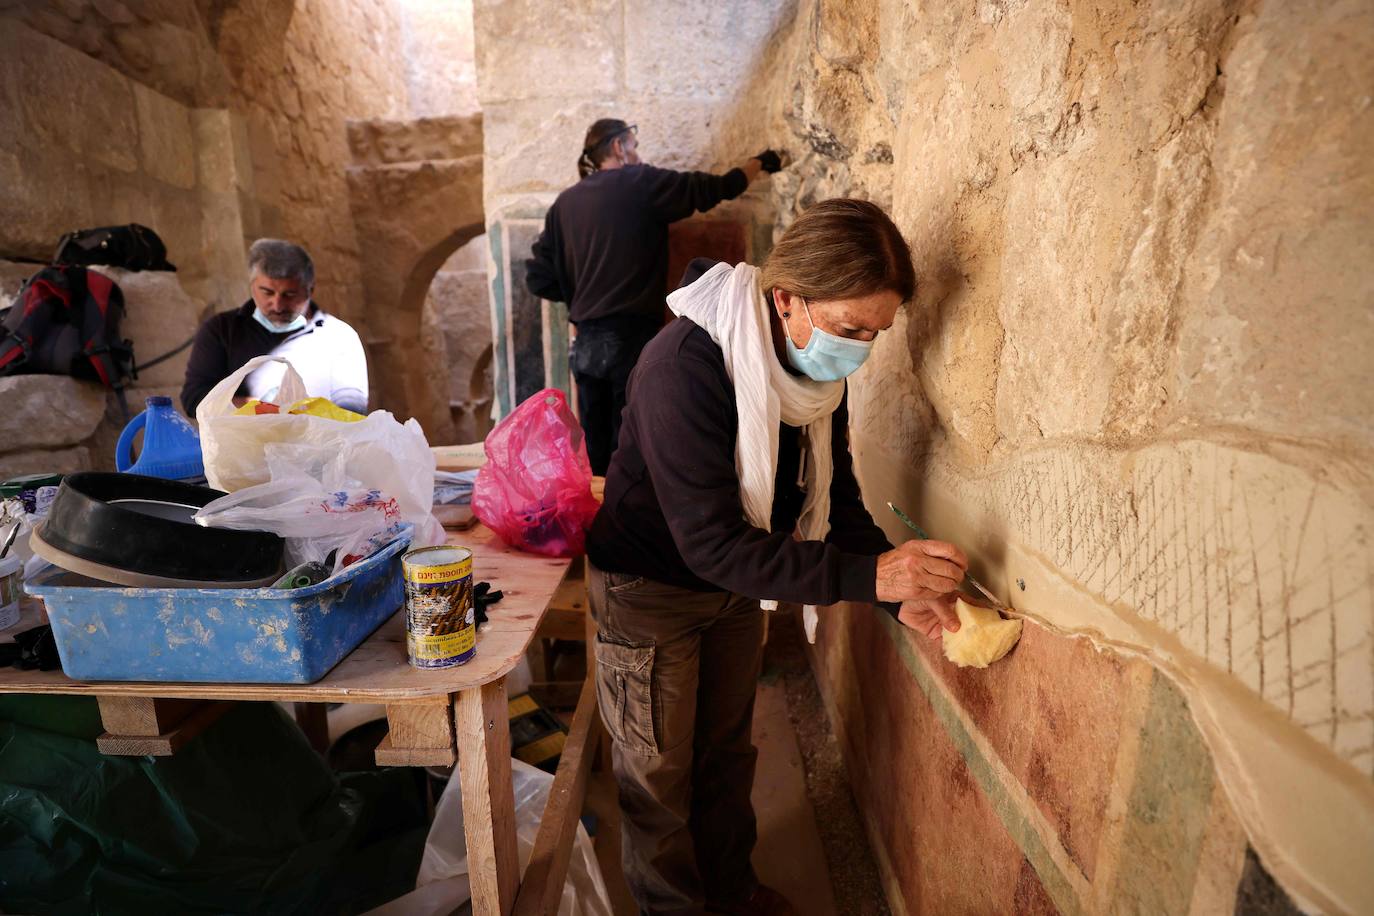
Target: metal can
(440, 630)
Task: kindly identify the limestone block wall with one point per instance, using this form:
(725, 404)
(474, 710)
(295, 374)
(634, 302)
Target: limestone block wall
(440, 57)
(457, 328)
(300, 71)
(259, 89)
(1132, 387)
(416, 193)
(682, 72)
(217, 123)
(47, 423)
(162, 44)
(82, 144)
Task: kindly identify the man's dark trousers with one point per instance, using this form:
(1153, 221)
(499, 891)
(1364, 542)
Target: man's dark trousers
(601, 361)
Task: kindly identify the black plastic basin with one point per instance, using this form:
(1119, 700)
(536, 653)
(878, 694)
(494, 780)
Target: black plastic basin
(142, 525)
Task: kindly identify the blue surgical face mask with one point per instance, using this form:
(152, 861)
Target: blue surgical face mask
(826, 358)
(296, 325)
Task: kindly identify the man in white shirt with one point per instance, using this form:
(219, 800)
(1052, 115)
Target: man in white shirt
(282, 319)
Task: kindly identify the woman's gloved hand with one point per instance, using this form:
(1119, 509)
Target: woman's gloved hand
(770, 161)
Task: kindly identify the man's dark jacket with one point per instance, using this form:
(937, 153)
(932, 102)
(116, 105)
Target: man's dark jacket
(604, 249)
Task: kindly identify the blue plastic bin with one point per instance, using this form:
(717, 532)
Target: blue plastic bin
(247, 635)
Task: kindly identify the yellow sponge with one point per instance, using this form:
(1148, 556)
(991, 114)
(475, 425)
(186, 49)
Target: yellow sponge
(982, 638)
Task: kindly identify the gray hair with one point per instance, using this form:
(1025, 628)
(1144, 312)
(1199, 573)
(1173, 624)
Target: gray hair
(280, 260)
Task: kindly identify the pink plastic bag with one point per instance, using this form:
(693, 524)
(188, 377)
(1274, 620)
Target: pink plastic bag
(535, 491)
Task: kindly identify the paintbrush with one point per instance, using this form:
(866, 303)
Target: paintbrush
(968, 577)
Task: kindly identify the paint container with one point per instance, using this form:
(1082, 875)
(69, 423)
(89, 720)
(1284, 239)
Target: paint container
(11, 574)
(440, 630)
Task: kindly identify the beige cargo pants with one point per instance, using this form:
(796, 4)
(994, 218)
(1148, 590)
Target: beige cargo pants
(677, 672)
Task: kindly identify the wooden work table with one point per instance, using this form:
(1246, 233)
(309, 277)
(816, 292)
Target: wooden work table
(435, 717)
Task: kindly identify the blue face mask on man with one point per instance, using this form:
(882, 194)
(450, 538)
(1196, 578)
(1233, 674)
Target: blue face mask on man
(826, 357)
(296, 325)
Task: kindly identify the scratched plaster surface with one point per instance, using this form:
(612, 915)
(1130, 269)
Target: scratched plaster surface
(1142, 348)
(1185, 535)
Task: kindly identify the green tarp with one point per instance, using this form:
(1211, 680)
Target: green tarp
(245, 818)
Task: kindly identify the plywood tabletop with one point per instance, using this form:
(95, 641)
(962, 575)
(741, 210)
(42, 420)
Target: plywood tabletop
(378, 670)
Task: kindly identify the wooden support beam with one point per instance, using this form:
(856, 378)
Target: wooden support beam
(413, 725)
(388, 755)
(417, 735)
(143, 716)
(483, 730)
(167, 743)
(603, 795)
(313, 719)
(542, 888)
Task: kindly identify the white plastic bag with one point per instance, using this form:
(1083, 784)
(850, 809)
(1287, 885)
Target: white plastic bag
(442, 885)
(320, 483)
(316, 515)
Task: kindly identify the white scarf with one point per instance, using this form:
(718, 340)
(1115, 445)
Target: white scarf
(726, 302)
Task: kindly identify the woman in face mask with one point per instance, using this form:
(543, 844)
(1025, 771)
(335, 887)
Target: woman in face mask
(733, 489)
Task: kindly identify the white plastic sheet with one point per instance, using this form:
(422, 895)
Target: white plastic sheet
(442, 884)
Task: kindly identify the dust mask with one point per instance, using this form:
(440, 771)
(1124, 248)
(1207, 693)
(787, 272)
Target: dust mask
(826, 357)
(297, 324)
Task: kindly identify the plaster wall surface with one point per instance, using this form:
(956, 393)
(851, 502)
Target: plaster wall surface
(1134, 376)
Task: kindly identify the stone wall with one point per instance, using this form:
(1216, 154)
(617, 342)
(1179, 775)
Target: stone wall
(299, 72)
(261, 89)
(457, 329)
(217, 123)
(82, 144)
(440, 60)
(1132, 387)
(681, 72)
(415, 189)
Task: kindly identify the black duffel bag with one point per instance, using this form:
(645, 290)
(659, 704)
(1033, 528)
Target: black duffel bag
(132, 247)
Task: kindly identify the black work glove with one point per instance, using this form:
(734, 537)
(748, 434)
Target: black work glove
(31, 649)
(770, 161)
(482, 598)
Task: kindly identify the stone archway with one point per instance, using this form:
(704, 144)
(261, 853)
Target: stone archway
(415, 191)
(456, 328)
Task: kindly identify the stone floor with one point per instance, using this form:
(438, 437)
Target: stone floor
(856, 889)
(790, 857)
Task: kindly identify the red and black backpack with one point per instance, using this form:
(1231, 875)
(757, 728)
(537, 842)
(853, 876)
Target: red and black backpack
(66, 322)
